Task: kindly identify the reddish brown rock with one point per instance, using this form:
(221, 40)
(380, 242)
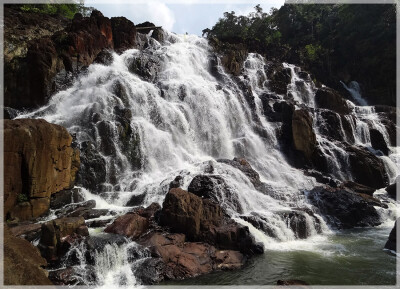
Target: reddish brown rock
(130, 225)
(22, 262)
(38, 161)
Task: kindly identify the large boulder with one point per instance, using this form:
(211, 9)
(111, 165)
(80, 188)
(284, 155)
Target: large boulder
(39, 161)
(23, 264)
(378, 142)
(58, 235)
(344, 208)
(392, 189)
(366, 168)
(204, 220)
(331, 99)
(304, 138)
(130, 225)
(391, 242)
(124, 33)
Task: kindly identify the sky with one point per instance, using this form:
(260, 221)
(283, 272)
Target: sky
(191, 16)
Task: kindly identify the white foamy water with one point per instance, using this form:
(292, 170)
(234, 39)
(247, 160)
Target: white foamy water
(185, 120)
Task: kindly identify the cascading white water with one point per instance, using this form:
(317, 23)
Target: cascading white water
(185, 120)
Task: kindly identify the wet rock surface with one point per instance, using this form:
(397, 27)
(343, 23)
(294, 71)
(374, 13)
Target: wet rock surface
(345, 209)
(391, 243)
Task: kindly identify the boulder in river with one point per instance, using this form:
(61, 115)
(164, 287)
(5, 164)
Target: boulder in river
(130, 225)
(391, 243)
(344, 208)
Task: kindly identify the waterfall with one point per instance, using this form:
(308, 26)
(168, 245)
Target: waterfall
(179, 118)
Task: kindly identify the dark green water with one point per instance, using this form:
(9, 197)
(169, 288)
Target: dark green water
(353, 257)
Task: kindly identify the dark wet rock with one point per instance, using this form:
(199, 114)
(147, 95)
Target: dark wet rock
(304, 138)
(244, 166)
(99, 241)
(104, 57)
(136, 200)
(378, 141)
(391, 243)
(146, 66)
(151, 271)
(392, 189)
(157, 32)
(93, 167)
(206, 186)
(176, 183)
(296, 220)
(58, 235)
(358, 188)
(322, 178)
(279, 77)
(89, 213)
(124, 33)
(65, 197)
(346, 209)
(367, 169)
(330, 125)
(331, 99)
(97, 223)
(65, 276)
(70, 209)
(203, 220)
(149, 212)
(130, 225)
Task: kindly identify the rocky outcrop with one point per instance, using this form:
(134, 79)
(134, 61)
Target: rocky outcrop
(378, 141)
(59, 234)
(344, 208)
(22, 262)
(366, 168)
(304, 138)
(279, 77)
(331, 99)
(203, 220)
(62, 47)
(391, 243)
(131, 225)
(358, 188)
(39, 161)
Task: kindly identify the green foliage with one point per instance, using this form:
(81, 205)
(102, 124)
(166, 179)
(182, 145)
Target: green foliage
(330, 41)
(21, 198)
(66, 10)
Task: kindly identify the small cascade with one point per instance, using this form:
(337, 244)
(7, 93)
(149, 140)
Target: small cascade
(355, 91)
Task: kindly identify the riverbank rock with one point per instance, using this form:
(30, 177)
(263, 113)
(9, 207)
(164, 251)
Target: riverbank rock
(39, 161)
(58, 235)
(391, 243)
(22, 262)
(331, 99)
(27, 231)
(175, 258)
(130, 225)
(304, 138)
(344, 208)
(203, 220)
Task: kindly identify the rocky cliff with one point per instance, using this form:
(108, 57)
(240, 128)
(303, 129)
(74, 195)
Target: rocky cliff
(39, 161)
(43, 52)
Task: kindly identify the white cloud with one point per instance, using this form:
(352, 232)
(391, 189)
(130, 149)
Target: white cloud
(160, 14)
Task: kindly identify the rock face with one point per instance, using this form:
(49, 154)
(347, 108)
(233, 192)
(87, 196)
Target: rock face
(39, 161)
(203, 220)
(22, 262)
(367, 169)
(58, 235)
(130, 225)
(304, 138)
(378, 141)
(391, 242)
(331, 99)
(346, 209)
(60, 47)
(246, 168)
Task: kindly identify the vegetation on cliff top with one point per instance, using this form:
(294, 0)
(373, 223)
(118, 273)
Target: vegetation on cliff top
(334, 42)
(66, 10)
